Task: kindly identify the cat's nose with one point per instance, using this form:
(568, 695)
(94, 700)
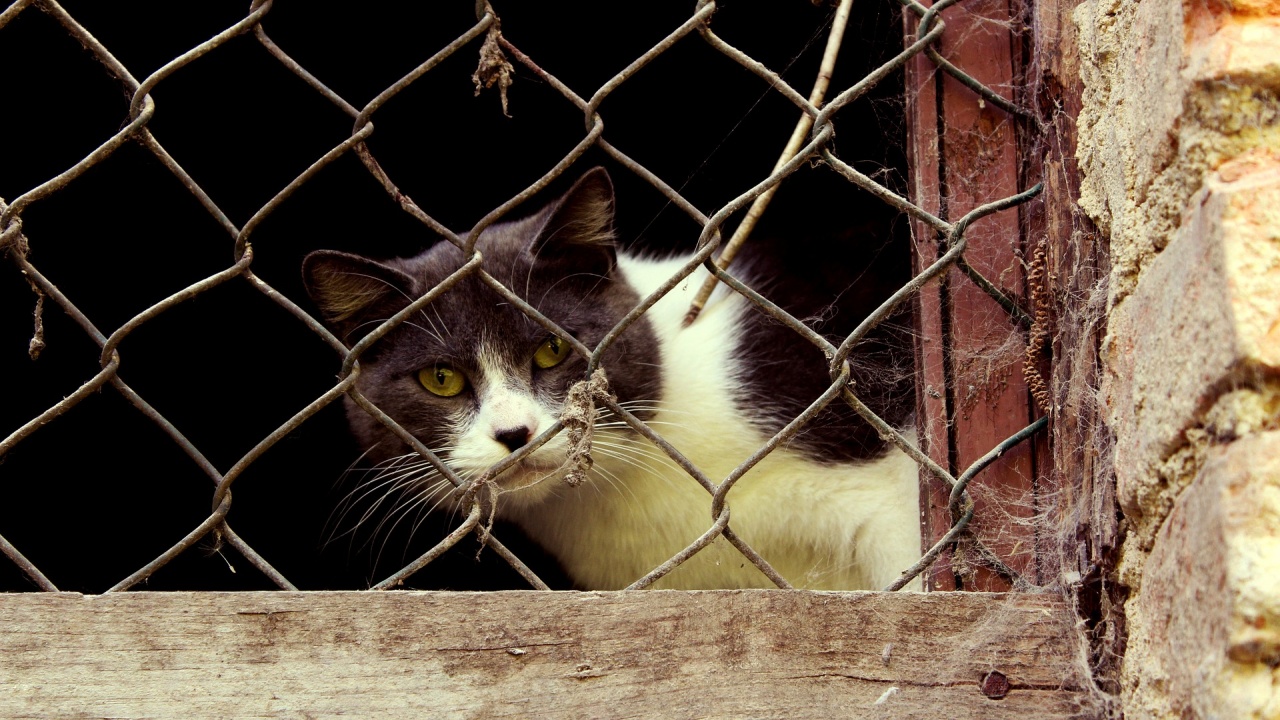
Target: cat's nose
(514, 438)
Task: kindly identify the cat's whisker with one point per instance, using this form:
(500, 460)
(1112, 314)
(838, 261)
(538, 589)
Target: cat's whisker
(582, 296)
(636, 463)
(445, 489)
(643, 409)
(365, 489)
(398, 492)
(638, 451)
(654, 425)
(596, 487)
(640, 444)
(373, 536)
(623, 423)
(387, 479)
(607, 414)
(612, 439)
(398, 461)
(465, 476)
(424, 512)
(352, 466)
(365, 470)
(631, 445)
(443, 324)
(442, 488)
(382, 479)
(399, 512)
(652, 404)
(385, 468)
(341, 507)
(616, 483)
(433, 332)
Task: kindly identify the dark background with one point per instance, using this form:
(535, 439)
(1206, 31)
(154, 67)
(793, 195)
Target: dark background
(101, 491)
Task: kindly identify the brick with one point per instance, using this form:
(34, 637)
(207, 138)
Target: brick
(1204, 313)
(1205, 629)
(1241, 49)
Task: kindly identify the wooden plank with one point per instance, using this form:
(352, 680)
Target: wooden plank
(666, 654)
(991, 400)
(1079, 265)
(931, 371)
(1081, 478)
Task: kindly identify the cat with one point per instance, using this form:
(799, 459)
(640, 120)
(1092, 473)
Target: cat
(474, 379)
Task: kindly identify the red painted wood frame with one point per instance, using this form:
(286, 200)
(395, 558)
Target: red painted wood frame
(963, 152)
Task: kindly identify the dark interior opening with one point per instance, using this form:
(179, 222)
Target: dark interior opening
(101, 491)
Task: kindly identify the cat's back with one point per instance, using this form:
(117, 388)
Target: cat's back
(736, 359)
(729, 381)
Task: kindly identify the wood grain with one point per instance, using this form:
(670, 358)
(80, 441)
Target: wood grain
(778, 654)
(1077, 478)
(964, 154)
(991, 401)
(932, 380)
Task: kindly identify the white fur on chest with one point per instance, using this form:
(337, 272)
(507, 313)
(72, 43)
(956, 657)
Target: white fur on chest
(821, 525)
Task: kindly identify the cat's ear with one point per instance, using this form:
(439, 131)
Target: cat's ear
(578, 227)
(351, 290)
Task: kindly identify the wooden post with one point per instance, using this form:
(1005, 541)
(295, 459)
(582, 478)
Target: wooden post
(931, 372)
(972, 395)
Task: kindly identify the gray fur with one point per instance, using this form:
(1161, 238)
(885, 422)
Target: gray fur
(561, 260)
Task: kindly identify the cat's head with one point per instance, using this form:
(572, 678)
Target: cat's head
(471, 375)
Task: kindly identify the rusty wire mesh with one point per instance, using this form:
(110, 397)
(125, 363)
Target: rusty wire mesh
(486, 29)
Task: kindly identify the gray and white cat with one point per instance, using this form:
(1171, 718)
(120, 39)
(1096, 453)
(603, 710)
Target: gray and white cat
(475, 379)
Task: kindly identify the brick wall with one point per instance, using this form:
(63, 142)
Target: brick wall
(1179, 149)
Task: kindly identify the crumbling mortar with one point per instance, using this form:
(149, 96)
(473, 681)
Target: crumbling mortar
(1220, 122)
(1219, 119)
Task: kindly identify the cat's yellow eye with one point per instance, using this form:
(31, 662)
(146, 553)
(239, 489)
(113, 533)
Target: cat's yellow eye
(551, 353)
(442, 380)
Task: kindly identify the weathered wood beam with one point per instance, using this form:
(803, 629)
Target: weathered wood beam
(777, 654)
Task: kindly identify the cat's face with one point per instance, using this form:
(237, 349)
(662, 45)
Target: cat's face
(472, 376)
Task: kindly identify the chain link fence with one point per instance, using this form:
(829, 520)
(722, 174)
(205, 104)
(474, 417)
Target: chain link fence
(499, 60)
